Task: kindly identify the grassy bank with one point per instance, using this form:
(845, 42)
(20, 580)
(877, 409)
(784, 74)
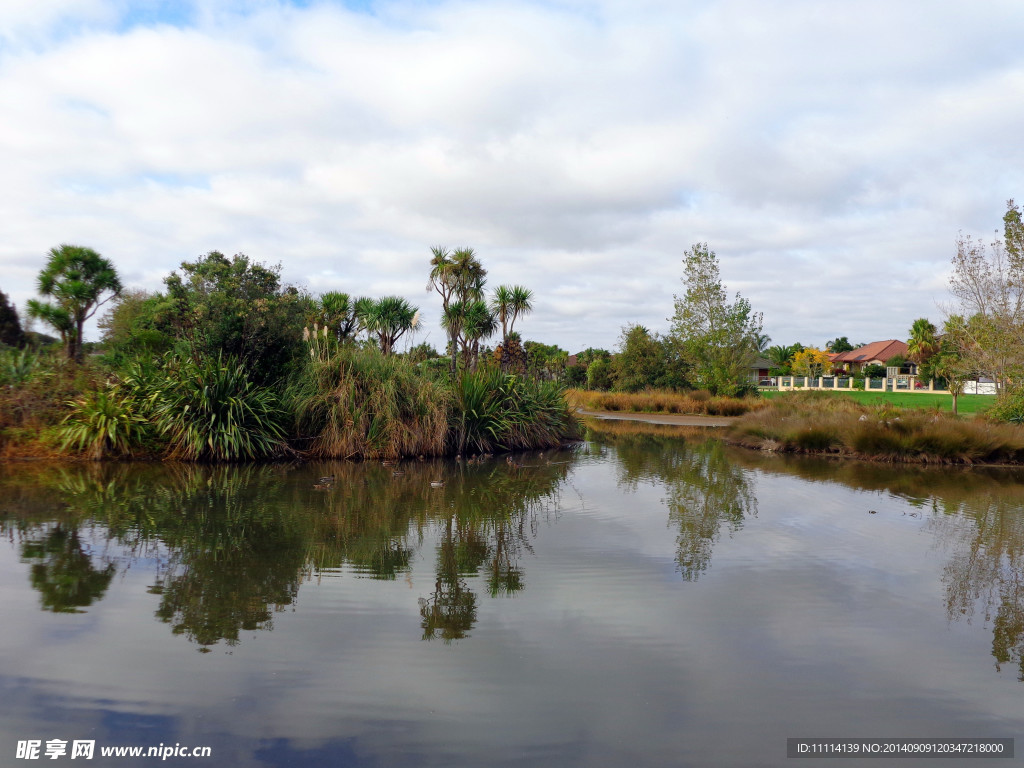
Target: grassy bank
(966, 404)
(825, 424)
(696, 402)
(351, 403)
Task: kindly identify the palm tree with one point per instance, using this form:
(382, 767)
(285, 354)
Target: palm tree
(508, 303)
(922, 343)
(479, 323)
(75, 277)
(389, 319)
(458, 277)
(781, 356)
(337, 311)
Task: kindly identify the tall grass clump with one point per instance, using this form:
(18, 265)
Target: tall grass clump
(18, 366)
(360, 403)
(209, 410)
(494, 410)
(104, 422)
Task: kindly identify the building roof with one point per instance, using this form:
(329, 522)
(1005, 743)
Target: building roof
(876, 350)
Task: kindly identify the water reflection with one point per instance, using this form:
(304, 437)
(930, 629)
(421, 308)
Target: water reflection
(63, 570)
(984, 574)
(231, 545)
(706, 492)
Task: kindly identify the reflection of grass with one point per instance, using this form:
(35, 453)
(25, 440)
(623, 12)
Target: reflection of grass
(698, 402)
(821, 423)
(622, 427)
(965, 403)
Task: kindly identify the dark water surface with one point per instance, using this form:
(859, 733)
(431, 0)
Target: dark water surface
(639, 600)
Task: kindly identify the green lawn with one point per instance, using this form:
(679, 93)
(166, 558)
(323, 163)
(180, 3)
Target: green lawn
(965, 403)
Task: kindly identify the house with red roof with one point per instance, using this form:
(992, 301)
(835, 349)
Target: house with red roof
(878, 352)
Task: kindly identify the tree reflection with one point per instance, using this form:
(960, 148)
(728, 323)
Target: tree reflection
(985, 571)
(63, 571)
(233, 544)
(706, 491)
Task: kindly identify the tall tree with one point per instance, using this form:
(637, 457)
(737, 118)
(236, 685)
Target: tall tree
(11, 332)
(78, 281)
(718, 337)
(458, 277)
(509, 303)
(988, 282)
(953, 360)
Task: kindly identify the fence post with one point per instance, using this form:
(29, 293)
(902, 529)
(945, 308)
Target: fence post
(867, 383)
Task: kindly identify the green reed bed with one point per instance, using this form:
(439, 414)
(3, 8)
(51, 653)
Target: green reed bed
(816, 423)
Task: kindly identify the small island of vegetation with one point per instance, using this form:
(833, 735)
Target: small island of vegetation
(229, 364)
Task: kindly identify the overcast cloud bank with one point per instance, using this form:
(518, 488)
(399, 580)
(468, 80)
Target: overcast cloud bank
(828, 152)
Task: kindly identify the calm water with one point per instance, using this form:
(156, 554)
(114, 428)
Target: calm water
(640, 600)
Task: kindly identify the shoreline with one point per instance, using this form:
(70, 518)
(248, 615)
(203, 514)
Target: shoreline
(677, 419)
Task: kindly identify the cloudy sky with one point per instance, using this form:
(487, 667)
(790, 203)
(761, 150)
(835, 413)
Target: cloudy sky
(828, 152)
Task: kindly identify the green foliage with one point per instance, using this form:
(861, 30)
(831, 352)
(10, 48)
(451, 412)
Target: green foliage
(717, 339)
(459, 278)
(340, 313)
(509, 303)
(502, 411)
(389, 318)
(131, 327)
(874, 371)
(76, 279)
(575, 376)
(237, 309)
(599, 374)
(361, 403)
(839, 345)
(922, 344)
(103, 423)
(546, 361)
(1009, 407)
(782, 356)
(10, 327)
(209, 410)
(18, 366)
(640, 363)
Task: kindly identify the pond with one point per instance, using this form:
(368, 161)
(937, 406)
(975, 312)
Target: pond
(639, 599)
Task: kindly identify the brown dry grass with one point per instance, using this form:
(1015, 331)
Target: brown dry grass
(698, 402)
(839, 426)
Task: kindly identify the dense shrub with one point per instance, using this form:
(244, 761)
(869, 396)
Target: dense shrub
(361, 403)
(211, 411)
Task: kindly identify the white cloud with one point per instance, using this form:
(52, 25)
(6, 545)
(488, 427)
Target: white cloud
(828, 154)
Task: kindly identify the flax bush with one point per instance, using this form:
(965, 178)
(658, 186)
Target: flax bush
(210, 411)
